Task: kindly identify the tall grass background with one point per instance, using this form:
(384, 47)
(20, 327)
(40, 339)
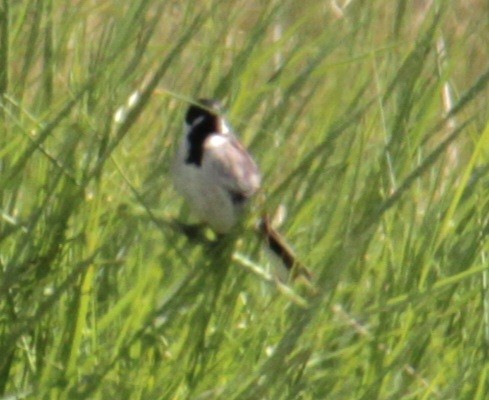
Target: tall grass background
(369, 122)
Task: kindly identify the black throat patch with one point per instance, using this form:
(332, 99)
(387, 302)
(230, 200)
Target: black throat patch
(203, 123)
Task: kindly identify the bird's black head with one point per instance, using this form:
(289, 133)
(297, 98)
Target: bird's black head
(202, 120)
(205, 112)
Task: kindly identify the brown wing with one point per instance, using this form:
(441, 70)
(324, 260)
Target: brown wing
(231, 165)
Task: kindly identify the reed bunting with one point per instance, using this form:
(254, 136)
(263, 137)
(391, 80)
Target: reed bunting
(212, 170)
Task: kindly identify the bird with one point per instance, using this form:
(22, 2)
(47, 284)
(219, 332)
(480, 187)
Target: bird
(217, 177)
(212, 170)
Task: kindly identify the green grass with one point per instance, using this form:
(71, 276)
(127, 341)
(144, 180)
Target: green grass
(383, 176)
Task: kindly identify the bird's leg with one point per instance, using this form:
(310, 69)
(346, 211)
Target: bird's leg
(193, 232)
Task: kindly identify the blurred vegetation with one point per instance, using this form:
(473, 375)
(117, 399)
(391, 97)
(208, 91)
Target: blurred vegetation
(369, 120)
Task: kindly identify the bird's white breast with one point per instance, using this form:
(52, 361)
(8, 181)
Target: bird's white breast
(200, 188)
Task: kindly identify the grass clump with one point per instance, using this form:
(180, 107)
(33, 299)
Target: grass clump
(369, 122)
